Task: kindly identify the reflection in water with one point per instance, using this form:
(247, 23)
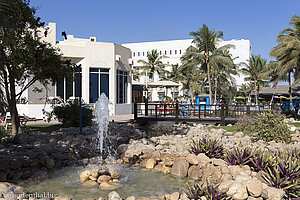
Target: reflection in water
(136, 181)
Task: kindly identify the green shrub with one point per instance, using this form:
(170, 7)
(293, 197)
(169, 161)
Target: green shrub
(270, 126)
(245, 123)
(69, 115)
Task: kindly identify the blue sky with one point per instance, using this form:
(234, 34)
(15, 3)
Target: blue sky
(123, 21)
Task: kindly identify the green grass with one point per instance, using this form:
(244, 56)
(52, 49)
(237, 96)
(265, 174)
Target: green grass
(297, 124)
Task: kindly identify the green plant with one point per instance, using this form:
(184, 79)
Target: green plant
(245, 123)
(239, 156)
(210, 147)
(69, 115)
(270, 126)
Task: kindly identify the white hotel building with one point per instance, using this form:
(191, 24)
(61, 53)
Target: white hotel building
(107, 67)
(172, 51)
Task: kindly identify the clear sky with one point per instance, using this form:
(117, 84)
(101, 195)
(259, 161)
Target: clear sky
(124, 21)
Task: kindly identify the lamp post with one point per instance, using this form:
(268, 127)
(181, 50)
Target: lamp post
(80, 109)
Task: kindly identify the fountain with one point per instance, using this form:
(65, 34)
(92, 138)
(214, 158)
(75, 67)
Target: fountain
(101, 113)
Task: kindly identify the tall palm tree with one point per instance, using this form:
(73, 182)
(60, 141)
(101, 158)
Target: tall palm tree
(205, 42)
(287, 53)
(173, 75)
(257, 72)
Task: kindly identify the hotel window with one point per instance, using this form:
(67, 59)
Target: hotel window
(143, 53)
(175, 52)
(180, 51)
(170, 52)
(160, 52)
(99, 83)
(165, 52)
(69, 87)
(133, 54)
(122, 83)
(138, 53)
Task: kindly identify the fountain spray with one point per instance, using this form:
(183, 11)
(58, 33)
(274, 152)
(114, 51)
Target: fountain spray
(101, 113)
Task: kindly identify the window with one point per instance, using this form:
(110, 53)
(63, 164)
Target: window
(122, 83)
(170, 52)
(138, 53)
(143, 53)
(133, 54)
(165, 52)
(175, 52)
(160, 52)
(180, 51)
(69, 87)
(99, 83)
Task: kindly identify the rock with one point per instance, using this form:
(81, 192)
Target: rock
(122, 149)
(4, 165)
(203, 158)
(103, 178)
(20, 190)
(39, 176)
(239, 134)
(183, 196)
(235, 169)
(143, 163)
(219, 162)
(216, 173)
(194, 172)
(15, 164)
(254, 187)
(3, 176)
(175, 196)
(226, 177)
(109, 185)
(159, 167)
(101, 198)
(62, 198)
(90, 183)
(4, 186)
(114, 173)
(95, 172)
(273, 193)
(150, 164)
(84, 176)
(242, 178)
(180, 168)
(47, 162)
(253, 198)
(131, 198)
(166, 169)
(114, 196)
(192, 159)
(237, 191)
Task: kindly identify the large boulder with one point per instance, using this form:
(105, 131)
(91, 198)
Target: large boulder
(273, 193)
(192, 159)
(194, 172)
(237, 191)
(180, 168)
(114, 196)
(150, 164)
(84, 176)
(47, 162)
(254, 187)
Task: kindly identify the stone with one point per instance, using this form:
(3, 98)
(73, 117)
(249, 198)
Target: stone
(84, 176)
(131, 198)
(101, 198)
(4, 186)
(166, 169)
(15, 164)
(95, 172)
(20, 190)
(109, 185)
(90, 183)
(192, 159)
(180, 168)
(62, 198)
(114, 196)
(237, 191)
(4, 165)
(143, 163)
(219, 162)
(159, 167)
(114, 173)
(183, 196)
(225, 177)
(254, 187)
(175, 196)
(235, 169)
(194, 172)
(39, 176)
(203, 158)
(239, 134)
(253, 198)
(242, 178)
(103, 178)
(216, 173)
(122, 149)
(47, 162)
(150, 164)
(273, 193)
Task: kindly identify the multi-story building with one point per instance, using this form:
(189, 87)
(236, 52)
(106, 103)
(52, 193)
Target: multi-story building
(172, 50)
(105, 68)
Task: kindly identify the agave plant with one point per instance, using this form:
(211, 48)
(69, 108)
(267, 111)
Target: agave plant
(239, 156)
(210, 192)
(210, 147)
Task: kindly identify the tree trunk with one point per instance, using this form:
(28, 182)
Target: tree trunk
(290, 91)
(209, 82)
(216, 88)
(255, 88)
(15, 122)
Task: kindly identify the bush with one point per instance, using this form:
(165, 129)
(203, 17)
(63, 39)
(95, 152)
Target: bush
(211, 148)
(270, 126)
(69, 115)
(245, 123)
(239, 156)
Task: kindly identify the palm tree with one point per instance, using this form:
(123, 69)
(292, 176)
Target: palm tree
(153, 66)
(287, 53)
(205, 42)
(173, 75)
(257, 72)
